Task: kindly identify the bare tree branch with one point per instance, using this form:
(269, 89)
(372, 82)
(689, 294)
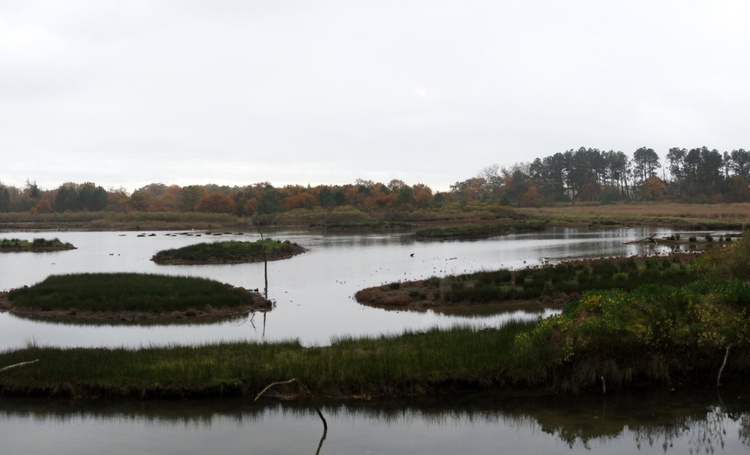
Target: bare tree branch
(19, 364)
(304, 387)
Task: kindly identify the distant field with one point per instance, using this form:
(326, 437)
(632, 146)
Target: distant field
(709, 216)
(731, 215)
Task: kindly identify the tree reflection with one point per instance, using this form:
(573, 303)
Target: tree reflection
(672, 423)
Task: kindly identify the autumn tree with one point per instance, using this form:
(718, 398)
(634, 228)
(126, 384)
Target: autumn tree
(139, 201)
(215, 203)
(299, 201)
(422, 195)
(654, 189)
(531, 198)
(43, 206)
(117, 200)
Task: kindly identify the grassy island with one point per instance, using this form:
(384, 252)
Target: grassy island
(550, 285)
(127, 296)
(477, 231)
(232, 252)
(34, 246)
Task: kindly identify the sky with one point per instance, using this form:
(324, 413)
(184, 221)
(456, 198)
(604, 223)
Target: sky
(127, 93)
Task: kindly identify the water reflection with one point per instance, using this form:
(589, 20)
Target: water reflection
(681, 422)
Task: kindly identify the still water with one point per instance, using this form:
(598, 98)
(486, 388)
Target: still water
(313, 291)
(314, 303)
(648, 423)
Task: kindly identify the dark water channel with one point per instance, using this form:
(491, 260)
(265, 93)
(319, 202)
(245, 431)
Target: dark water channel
(314, 303)
(694, 422)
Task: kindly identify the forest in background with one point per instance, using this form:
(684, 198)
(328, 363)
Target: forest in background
(585, 175)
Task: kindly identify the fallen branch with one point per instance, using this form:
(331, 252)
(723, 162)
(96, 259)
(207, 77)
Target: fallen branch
(19, 364)
(649, 239)
(312, 397)
(726, 356)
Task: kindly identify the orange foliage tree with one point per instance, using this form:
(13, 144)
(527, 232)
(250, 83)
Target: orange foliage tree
(215, 203)
(654, 189)
(531, 198)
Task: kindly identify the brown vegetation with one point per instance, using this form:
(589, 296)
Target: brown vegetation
(666, 214)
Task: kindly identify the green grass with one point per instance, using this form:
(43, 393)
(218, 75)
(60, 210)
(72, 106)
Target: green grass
(655, 335)
(412, 363)
(127, 292)
(555, 281)
(36, 245)
(228, 252)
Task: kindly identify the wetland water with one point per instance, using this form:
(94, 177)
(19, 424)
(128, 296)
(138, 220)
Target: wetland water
(662, 423)
(313, 293)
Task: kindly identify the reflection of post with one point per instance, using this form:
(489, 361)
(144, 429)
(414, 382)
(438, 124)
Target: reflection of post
(265, 262)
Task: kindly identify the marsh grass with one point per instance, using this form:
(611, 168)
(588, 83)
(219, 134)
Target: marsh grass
(476, 231)
(694, 216)
(127, 292)
(560, 281)
(117, 220)
(412, 363)
(228, 252)
(36, 245)
(370, 225)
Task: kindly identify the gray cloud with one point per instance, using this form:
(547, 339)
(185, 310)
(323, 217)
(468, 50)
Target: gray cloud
(125, 93)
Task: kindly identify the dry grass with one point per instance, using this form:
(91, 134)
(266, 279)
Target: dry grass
(735, 213)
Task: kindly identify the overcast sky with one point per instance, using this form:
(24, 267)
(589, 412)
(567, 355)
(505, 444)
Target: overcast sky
(126, 93)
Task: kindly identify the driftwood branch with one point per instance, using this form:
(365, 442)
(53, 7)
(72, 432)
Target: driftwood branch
(19, 365)
(312, 397)
(726, 356)
(650, 240)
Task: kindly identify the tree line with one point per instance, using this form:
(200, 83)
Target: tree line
(696, 175)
